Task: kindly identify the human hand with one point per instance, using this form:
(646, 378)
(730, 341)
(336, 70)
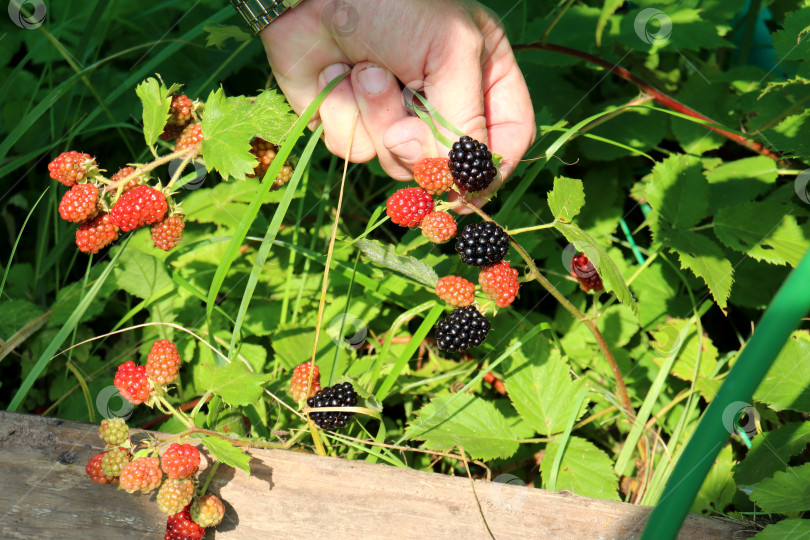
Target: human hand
(455, 51)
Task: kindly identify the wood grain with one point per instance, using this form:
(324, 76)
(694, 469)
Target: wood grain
(46, 495)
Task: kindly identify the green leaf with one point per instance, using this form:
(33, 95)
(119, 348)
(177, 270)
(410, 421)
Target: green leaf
(566, 199)
(227, 453)
(787, 384)
(585, 469)
(762, 231)
(786, 491)
(671, 334)
(141, 275)
(794, 528)
(463, 419)
(718, 488)
(739, 181)
(679, 191)
(608, 9)
(230, 123)
(272, 116)
(771, 451)
(233, 382)
(386, 257)
(292, 344)
(608, 271)
(704, 258)
(539, 385)
(218, 34)
(156, 101)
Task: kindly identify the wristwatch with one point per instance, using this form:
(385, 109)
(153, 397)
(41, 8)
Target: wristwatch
(260, 13)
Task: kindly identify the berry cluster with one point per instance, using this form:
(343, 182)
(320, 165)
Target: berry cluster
(188, 515)
(265, 153)
(470, 168)
(585, 273)
(339, 395)
(103, 207)
(137, 383)
(181, 111)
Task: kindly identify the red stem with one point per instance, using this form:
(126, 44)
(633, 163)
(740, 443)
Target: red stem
(657, 95)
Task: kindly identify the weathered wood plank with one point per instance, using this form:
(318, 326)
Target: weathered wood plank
(45, 494)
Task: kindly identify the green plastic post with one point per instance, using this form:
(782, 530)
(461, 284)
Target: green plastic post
(782, 317)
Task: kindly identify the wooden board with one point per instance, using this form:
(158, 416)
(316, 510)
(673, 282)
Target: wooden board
(46, 494)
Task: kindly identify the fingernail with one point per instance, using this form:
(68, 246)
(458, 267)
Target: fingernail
(373, 80)
(408, 151)
(335, 70)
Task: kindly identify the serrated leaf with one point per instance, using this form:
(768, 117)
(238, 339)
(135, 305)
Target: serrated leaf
(608, 271)
(762, 231)
(771, 451)
(585, 469)
(386, 257)
(539, 385)
(292, 344)
(463, 419)
(787, 383)
(227, 453)
(156, 101)
(739, 181)
(670, 335)
(704, 258)
(233, 382)
(679, 191)
(272, 116)
(566, 199)
(786, 491)
(230, 123)
(218, 34)
(794, 528)
(141, 275)
(718, 487)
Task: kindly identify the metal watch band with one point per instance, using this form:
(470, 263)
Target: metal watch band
(259, 13)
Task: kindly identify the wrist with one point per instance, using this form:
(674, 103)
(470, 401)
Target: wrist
(258, 14)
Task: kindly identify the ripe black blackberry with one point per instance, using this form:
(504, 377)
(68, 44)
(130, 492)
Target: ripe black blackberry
(471, 165)
(482, 244)
(339, 395)
(465, 327)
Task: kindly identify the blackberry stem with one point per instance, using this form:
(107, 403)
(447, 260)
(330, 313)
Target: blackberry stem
(214, 468)
(512, 232)
(621, 388)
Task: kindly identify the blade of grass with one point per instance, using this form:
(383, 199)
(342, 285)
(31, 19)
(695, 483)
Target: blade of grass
(420, 334)
(17, 241)
(253, 209)
(59, 338)
(653, 394)
(272, 231)
(563, 442)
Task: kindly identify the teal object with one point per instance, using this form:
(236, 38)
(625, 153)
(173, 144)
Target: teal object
(782, 317)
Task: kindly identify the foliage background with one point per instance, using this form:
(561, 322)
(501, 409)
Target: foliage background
(717, 228)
